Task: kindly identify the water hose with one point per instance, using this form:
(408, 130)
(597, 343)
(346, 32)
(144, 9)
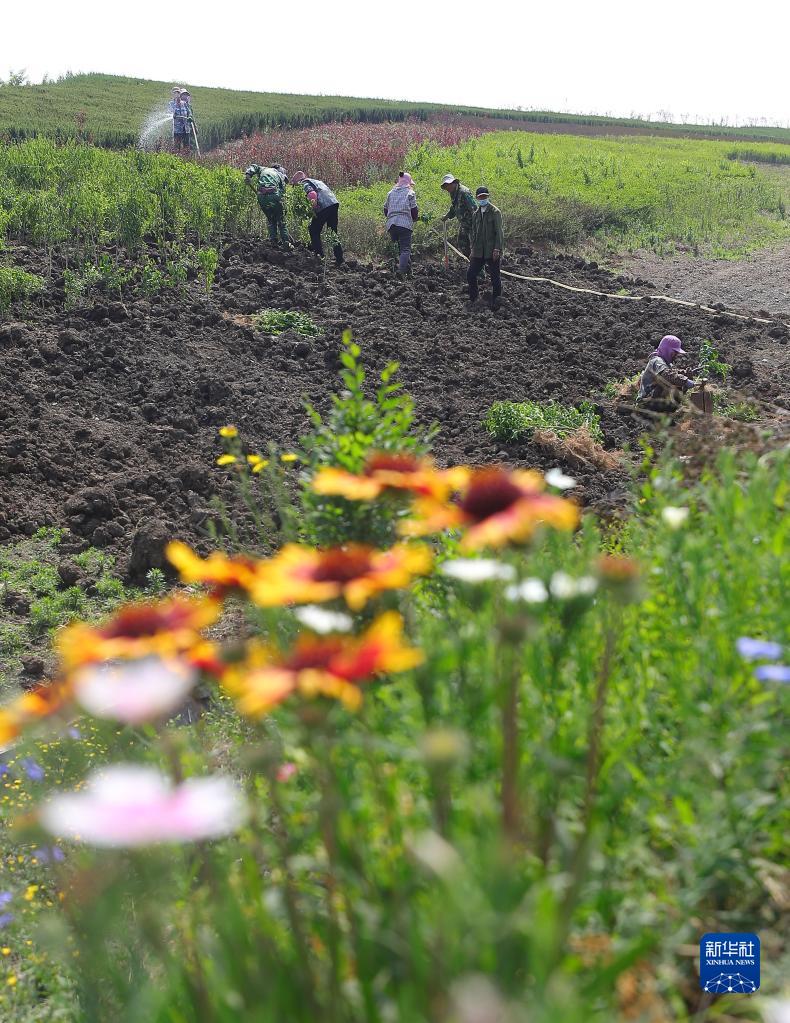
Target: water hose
(627, 298)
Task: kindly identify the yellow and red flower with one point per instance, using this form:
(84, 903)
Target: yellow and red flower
(333, 666)
(495, 507)
(301, 575)
(165, 628)
(218, 571)
(42, 702)
(389, 471)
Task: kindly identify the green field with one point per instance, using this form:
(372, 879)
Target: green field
(626, 192)
(110, 110)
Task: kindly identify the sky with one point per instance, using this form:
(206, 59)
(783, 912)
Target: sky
(696, 59)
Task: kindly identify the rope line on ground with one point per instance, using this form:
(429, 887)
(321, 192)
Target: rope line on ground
(627, 298)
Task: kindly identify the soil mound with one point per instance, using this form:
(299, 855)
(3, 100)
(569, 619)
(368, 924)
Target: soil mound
(109, 424)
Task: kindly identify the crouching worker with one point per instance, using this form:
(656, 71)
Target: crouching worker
(400, 209)
(269, 185)
(661, 387)
(487, 244)
(326, 207)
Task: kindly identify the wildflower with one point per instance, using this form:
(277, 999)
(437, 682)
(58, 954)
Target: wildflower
(221, 573)
(531, 591)
(6, 919)
(30, 893)
(11, 981)
(556, 478)
(496, 507)
(32, 769)
(300, 575)
(6, 897)
(755, 649)
(289, 457)
(565, 587)
(257, 463)
(674, 517)
(228, 431)
(331, 666)
(772, 673)
(387, 471)
(621, 576)
(477, 570)
(133, 692)
(286, 771)
(129, 805)
(41, 702)
(226, 459)
(49, 854)
(322, 621)
(163, 628)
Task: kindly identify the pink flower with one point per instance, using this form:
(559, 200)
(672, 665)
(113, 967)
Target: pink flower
(129, 805)
(133, 691)
(286, 771)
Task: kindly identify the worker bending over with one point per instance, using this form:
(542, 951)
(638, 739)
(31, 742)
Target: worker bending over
(269, 184)
(326, 207)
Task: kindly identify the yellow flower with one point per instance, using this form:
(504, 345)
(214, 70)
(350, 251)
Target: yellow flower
(288, 457)
(41, 702)
(165, 628)
(228, 431)
(226, 460)
(30, 893)
(218, 571)
(495, 507)
(11, 981)
(257, 464)
(332, 666)
(389, 471)
(301, 575)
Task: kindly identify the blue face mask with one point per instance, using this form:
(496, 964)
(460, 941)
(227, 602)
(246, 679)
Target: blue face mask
(482, 202)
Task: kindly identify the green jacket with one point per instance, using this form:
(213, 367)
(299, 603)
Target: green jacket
(486, 232)
(463, 207)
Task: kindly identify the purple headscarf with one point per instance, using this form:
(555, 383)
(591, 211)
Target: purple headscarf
(669, 347)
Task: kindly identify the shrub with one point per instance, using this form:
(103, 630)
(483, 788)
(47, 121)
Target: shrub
(17, 285)
(710, 361)
(509, 420)
(277, 321)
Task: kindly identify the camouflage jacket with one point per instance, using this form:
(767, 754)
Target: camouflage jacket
(463, 207)
(658, 380)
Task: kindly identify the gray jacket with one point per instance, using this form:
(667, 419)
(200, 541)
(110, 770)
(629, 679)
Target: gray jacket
(326, 197)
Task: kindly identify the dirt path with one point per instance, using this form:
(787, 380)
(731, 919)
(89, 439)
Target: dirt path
(760, 283)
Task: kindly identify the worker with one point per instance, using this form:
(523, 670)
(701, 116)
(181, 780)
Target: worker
(660, 387)
(325, 210)
(269, 184)
(174, 94)
(487, 243)
(182, 120)
(400, 209)
(462, 208)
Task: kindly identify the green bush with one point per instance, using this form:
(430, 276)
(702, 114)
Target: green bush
(511, 420)
(277, 321)
(17, 285)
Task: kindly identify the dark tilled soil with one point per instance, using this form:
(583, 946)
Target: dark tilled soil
(109, 424)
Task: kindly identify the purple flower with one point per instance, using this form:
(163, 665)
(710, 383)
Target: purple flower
(3, 769)
(755, 649)
(74, 733)
(772, 673)
(6, 919)
(5, 898)
(32, 769)
(49, 854)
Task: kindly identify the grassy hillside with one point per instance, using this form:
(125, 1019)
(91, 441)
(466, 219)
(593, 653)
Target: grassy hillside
(637, 192)
(110, 111)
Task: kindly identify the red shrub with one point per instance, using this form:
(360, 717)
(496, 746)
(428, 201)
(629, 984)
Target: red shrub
(345, 154)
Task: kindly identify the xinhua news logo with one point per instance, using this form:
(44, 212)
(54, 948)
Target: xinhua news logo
(729, 963)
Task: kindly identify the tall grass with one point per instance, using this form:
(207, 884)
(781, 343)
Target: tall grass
(634, 192)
